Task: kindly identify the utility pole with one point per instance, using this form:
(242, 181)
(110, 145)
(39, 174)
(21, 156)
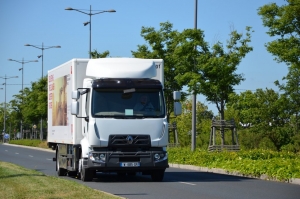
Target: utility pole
(194, 101)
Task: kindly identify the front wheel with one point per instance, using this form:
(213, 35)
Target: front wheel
(157, 175)
(87, 175)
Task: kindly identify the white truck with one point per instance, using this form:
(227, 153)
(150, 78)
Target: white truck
(92, 122)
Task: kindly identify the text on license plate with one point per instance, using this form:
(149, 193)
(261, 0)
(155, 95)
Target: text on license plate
(129, 164)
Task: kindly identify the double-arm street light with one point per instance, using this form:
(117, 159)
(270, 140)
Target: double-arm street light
(3, 121)
(5, 78)
(42, 48)
(22, 62)
(90, 22)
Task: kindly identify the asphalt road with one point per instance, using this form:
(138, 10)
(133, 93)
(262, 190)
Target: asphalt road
(177, 183)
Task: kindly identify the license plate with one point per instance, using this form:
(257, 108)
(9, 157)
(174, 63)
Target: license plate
(129, 164)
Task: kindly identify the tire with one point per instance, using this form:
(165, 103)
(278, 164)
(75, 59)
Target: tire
(157, 175)
(86, 175)
(59, 171)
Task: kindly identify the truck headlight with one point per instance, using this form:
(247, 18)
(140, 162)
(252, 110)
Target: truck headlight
(102, 157)
(158, 157)
(97, 157)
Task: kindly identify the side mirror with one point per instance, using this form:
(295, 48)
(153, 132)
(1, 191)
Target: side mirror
(176, 95)
(177, 105)
(75, 95)
(177, 108)
(75, 108)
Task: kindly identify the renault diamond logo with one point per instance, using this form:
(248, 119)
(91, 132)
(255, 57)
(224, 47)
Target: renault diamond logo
(129, 139)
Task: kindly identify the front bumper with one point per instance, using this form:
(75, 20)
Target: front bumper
(116, 161)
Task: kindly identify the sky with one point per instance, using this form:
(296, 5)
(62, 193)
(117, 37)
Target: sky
(47, 23)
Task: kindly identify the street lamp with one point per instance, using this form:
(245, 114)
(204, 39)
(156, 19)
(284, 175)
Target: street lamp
(3, 121)
(22, 62)
(42, 48)
(194, 99)
(5, 78)
(90, 22)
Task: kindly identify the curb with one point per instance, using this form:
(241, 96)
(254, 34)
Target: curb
(223, 171)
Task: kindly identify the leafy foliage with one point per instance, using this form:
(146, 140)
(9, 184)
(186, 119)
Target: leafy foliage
(31, 142)
(277, 165)
(184, 125)
(284, 25)
(95, 54)
(210, 71)
(266, 114)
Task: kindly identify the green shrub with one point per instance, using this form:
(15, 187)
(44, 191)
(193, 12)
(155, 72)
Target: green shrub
(27, 142)
(279, 165)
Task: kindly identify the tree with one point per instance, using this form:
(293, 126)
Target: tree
(267, 112)
(211, 71)
(11, 115)
(284, 24)
(292, 92)
(95, 54)
(162, 46)
(30, 105)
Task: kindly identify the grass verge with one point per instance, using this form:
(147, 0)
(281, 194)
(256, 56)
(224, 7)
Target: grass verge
(21, 183)
(28, 142)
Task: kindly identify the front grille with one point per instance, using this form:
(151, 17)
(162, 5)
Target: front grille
(129, 159)
(129, 141)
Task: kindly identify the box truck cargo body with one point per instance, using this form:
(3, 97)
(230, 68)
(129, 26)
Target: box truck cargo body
(109, 115)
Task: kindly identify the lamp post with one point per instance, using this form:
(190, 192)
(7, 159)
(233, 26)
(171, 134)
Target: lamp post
(22, 62)
(42, 48)
(4, 120)
(90, 22)
(194, 100)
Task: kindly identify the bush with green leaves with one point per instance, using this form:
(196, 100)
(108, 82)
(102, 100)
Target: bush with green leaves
(276, 165)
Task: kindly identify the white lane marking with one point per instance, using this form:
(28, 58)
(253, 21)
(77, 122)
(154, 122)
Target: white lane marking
(187, 183)
(48, 159)
(30, 156)
(17, 153)
(6, 150)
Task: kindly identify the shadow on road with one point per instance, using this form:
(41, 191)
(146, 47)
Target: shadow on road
(170, 176)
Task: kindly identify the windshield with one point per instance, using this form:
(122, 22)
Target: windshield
(128, 103)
